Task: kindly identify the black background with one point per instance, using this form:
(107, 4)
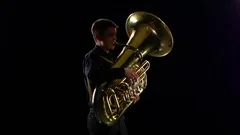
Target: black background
(193, 90)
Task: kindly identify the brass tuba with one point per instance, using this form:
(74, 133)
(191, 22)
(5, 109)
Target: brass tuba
(148, 35)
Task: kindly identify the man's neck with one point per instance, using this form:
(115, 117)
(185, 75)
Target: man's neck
(104, 49)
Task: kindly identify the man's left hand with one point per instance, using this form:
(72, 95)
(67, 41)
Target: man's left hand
(136, 99)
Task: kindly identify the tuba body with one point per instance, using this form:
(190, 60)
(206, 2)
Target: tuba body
(148, 35)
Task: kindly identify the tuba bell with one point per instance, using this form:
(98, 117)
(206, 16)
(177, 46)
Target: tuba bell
(148, 35)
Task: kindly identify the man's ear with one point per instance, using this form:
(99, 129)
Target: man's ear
(98, 37)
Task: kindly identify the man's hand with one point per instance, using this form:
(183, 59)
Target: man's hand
(131, 75)
(136, 99)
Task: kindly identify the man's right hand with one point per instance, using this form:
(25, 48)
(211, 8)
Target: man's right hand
(131, 74)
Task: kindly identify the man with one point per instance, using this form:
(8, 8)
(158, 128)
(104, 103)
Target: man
(97, 69)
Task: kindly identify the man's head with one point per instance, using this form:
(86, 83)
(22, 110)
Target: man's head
(104, 32)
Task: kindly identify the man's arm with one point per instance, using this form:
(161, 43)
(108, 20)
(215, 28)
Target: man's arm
(98, 73)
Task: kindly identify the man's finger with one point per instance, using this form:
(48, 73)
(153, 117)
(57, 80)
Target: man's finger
(135, 75)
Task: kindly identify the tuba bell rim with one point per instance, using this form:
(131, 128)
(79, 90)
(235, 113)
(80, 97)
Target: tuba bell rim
(161, 31)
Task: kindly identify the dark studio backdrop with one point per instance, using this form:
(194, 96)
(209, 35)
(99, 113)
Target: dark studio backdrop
(193, 90)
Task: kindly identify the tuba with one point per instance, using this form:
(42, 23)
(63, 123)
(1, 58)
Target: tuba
(148, 35)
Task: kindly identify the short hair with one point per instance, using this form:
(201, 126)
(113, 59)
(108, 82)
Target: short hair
(101, 25)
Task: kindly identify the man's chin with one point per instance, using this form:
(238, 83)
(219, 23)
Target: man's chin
(113, 47)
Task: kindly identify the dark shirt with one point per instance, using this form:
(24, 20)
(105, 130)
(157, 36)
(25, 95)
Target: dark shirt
(97, 69)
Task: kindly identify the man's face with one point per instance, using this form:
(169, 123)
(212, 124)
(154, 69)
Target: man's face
(109, 37)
